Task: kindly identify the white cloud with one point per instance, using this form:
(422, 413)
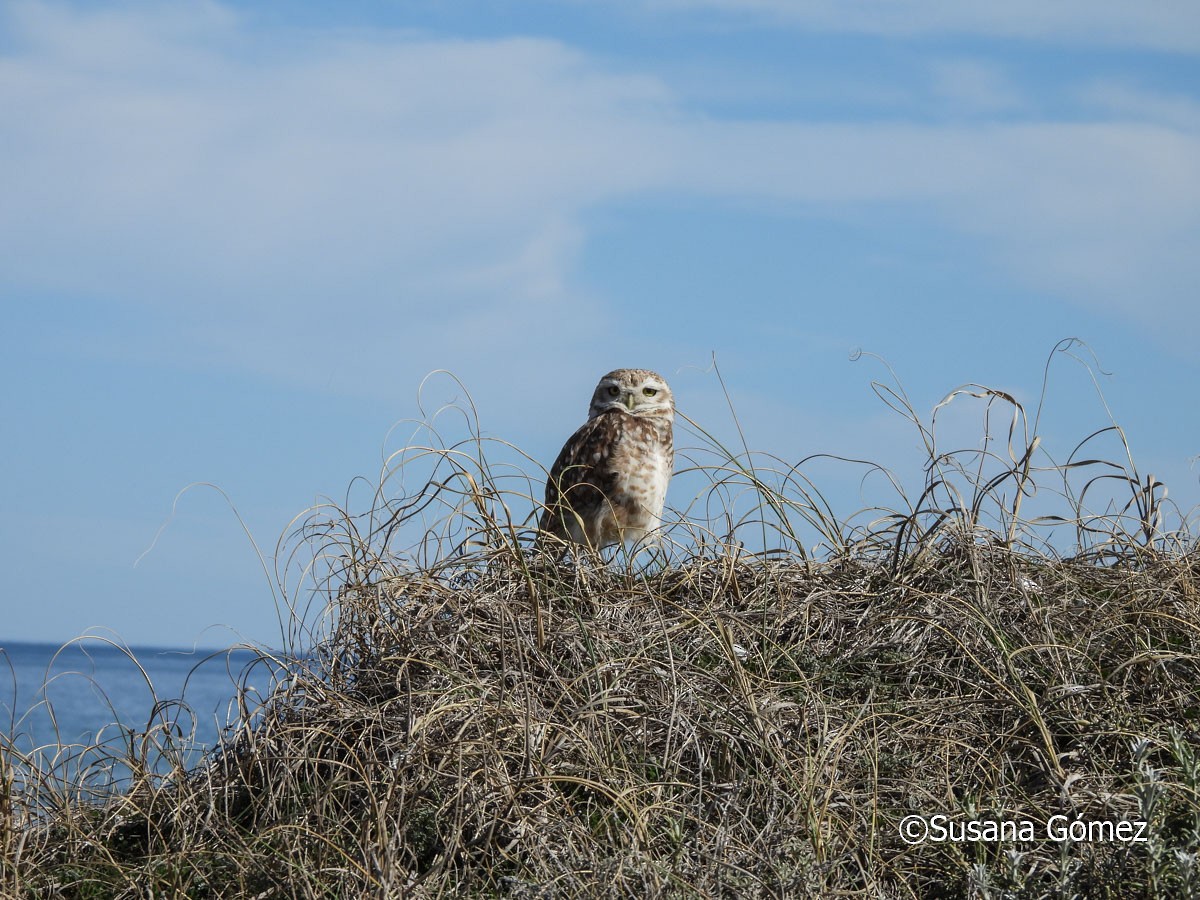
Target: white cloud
(1100, 213)
(335, 194)
(395, 200)
(1163, 24)
(368, 153)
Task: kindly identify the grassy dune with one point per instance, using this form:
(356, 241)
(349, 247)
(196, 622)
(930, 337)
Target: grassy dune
(713, 719)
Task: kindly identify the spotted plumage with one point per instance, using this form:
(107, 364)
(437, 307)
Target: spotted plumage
(609, 482)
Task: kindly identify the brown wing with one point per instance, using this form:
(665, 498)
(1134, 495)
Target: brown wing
(581, 478)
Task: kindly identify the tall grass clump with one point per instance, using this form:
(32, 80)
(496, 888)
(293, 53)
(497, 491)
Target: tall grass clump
(756, 708)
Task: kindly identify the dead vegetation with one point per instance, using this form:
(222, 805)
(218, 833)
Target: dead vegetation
(704, 721)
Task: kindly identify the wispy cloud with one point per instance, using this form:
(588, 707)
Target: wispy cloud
(323, 198)
(339, 189)
(1166, 25)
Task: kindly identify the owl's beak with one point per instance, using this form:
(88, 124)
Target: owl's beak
(629, 401)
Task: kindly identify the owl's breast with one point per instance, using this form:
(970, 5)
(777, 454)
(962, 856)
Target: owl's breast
(641, 467)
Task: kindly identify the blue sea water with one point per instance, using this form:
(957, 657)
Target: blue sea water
(91, 692)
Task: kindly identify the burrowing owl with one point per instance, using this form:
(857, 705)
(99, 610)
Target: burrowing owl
(609, 482)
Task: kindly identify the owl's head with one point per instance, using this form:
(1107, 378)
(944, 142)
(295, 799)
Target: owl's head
(638, 392)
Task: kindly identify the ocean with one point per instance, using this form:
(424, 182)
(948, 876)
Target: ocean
(91, 692)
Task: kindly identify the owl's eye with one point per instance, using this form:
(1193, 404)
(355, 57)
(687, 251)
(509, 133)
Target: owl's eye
(614, 391)
(649, 392)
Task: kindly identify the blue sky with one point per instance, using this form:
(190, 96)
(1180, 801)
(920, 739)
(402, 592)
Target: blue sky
(235, 237)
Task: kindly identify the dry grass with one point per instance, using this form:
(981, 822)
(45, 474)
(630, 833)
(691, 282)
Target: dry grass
(704, 721)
